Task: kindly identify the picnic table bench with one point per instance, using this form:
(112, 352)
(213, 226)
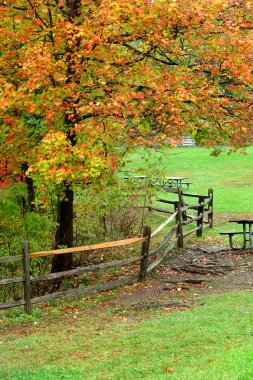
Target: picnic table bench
(170, 182)
(246, 233)
(177, 182)
(187, 184)
(136, 178)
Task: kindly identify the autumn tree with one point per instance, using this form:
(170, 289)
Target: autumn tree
(66, 95)
(204, 52)
(82, 80)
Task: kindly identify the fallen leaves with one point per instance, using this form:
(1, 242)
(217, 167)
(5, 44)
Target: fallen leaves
(168, 369)
(168, 310)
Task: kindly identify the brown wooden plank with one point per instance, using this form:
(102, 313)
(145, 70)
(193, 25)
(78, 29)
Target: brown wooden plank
(10, 259)
(166, 201)
(200, 222)
(191, 231)
(159, 259)
(26, 274)
(87, 289)
(193, 206)
(207, 201)
(144, 252)
(164, 224)
(9, 305)
(210, 207)
(164, 241)
(206, 225)
(179, 232)
(159, 210)
(91, 268)
(110, 244)
(12, 280)
(192, 219)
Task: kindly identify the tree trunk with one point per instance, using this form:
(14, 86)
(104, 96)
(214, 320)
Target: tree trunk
(30, 187)
(31, 193)
(64, 232)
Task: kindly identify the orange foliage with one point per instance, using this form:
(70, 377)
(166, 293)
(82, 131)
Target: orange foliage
(105, 74)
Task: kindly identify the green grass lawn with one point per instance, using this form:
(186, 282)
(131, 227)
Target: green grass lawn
(229, 175)
(75, 339)
(213, 340)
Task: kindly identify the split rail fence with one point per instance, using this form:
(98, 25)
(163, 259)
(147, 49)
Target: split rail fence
(149, 258)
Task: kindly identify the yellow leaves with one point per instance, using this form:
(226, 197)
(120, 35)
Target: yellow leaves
(57, 161)
(51, 157)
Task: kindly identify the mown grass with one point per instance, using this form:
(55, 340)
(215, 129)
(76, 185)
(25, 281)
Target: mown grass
(229, 175)
(79, 339)
(212, 341)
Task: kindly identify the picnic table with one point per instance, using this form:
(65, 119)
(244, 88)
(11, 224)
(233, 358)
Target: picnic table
(172, 182)
(177, 181)
(136, 178)
(246, 233)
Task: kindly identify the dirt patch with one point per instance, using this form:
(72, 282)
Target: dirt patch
(238, 184)
(196, 271)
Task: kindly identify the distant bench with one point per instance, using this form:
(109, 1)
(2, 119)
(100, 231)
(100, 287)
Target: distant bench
(176, 182)
(187, 183)
(246, 233)
(168, 182)
(230, 236)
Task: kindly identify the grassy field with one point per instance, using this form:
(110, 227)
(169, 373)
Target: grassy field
(229, 175)
(213, 341)
(82, 339)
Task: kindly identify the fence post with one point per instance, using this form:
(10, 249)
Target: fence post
(26, 275)
(180, 236)
(200, 222)
(181, 201)
(144, 253)
(210, 207)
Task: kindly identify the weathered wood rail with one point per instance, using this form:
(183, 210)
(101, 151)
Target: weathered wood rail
(203, 209)
(176, 224)
(181, 215)
(26, 279)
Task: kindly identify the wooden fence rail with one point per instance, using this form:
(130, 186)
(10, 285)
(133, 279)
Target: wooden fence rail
(148, 259)
(181, 217)
(203, 209)
(27, 279)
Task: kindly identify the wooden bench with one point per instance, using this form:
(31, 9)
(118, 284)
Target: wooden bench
(230, 236)
(187, 183)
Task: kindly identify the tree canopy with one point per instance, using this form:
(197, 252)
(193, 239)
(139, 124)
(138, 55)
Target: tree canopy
(81, 80)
